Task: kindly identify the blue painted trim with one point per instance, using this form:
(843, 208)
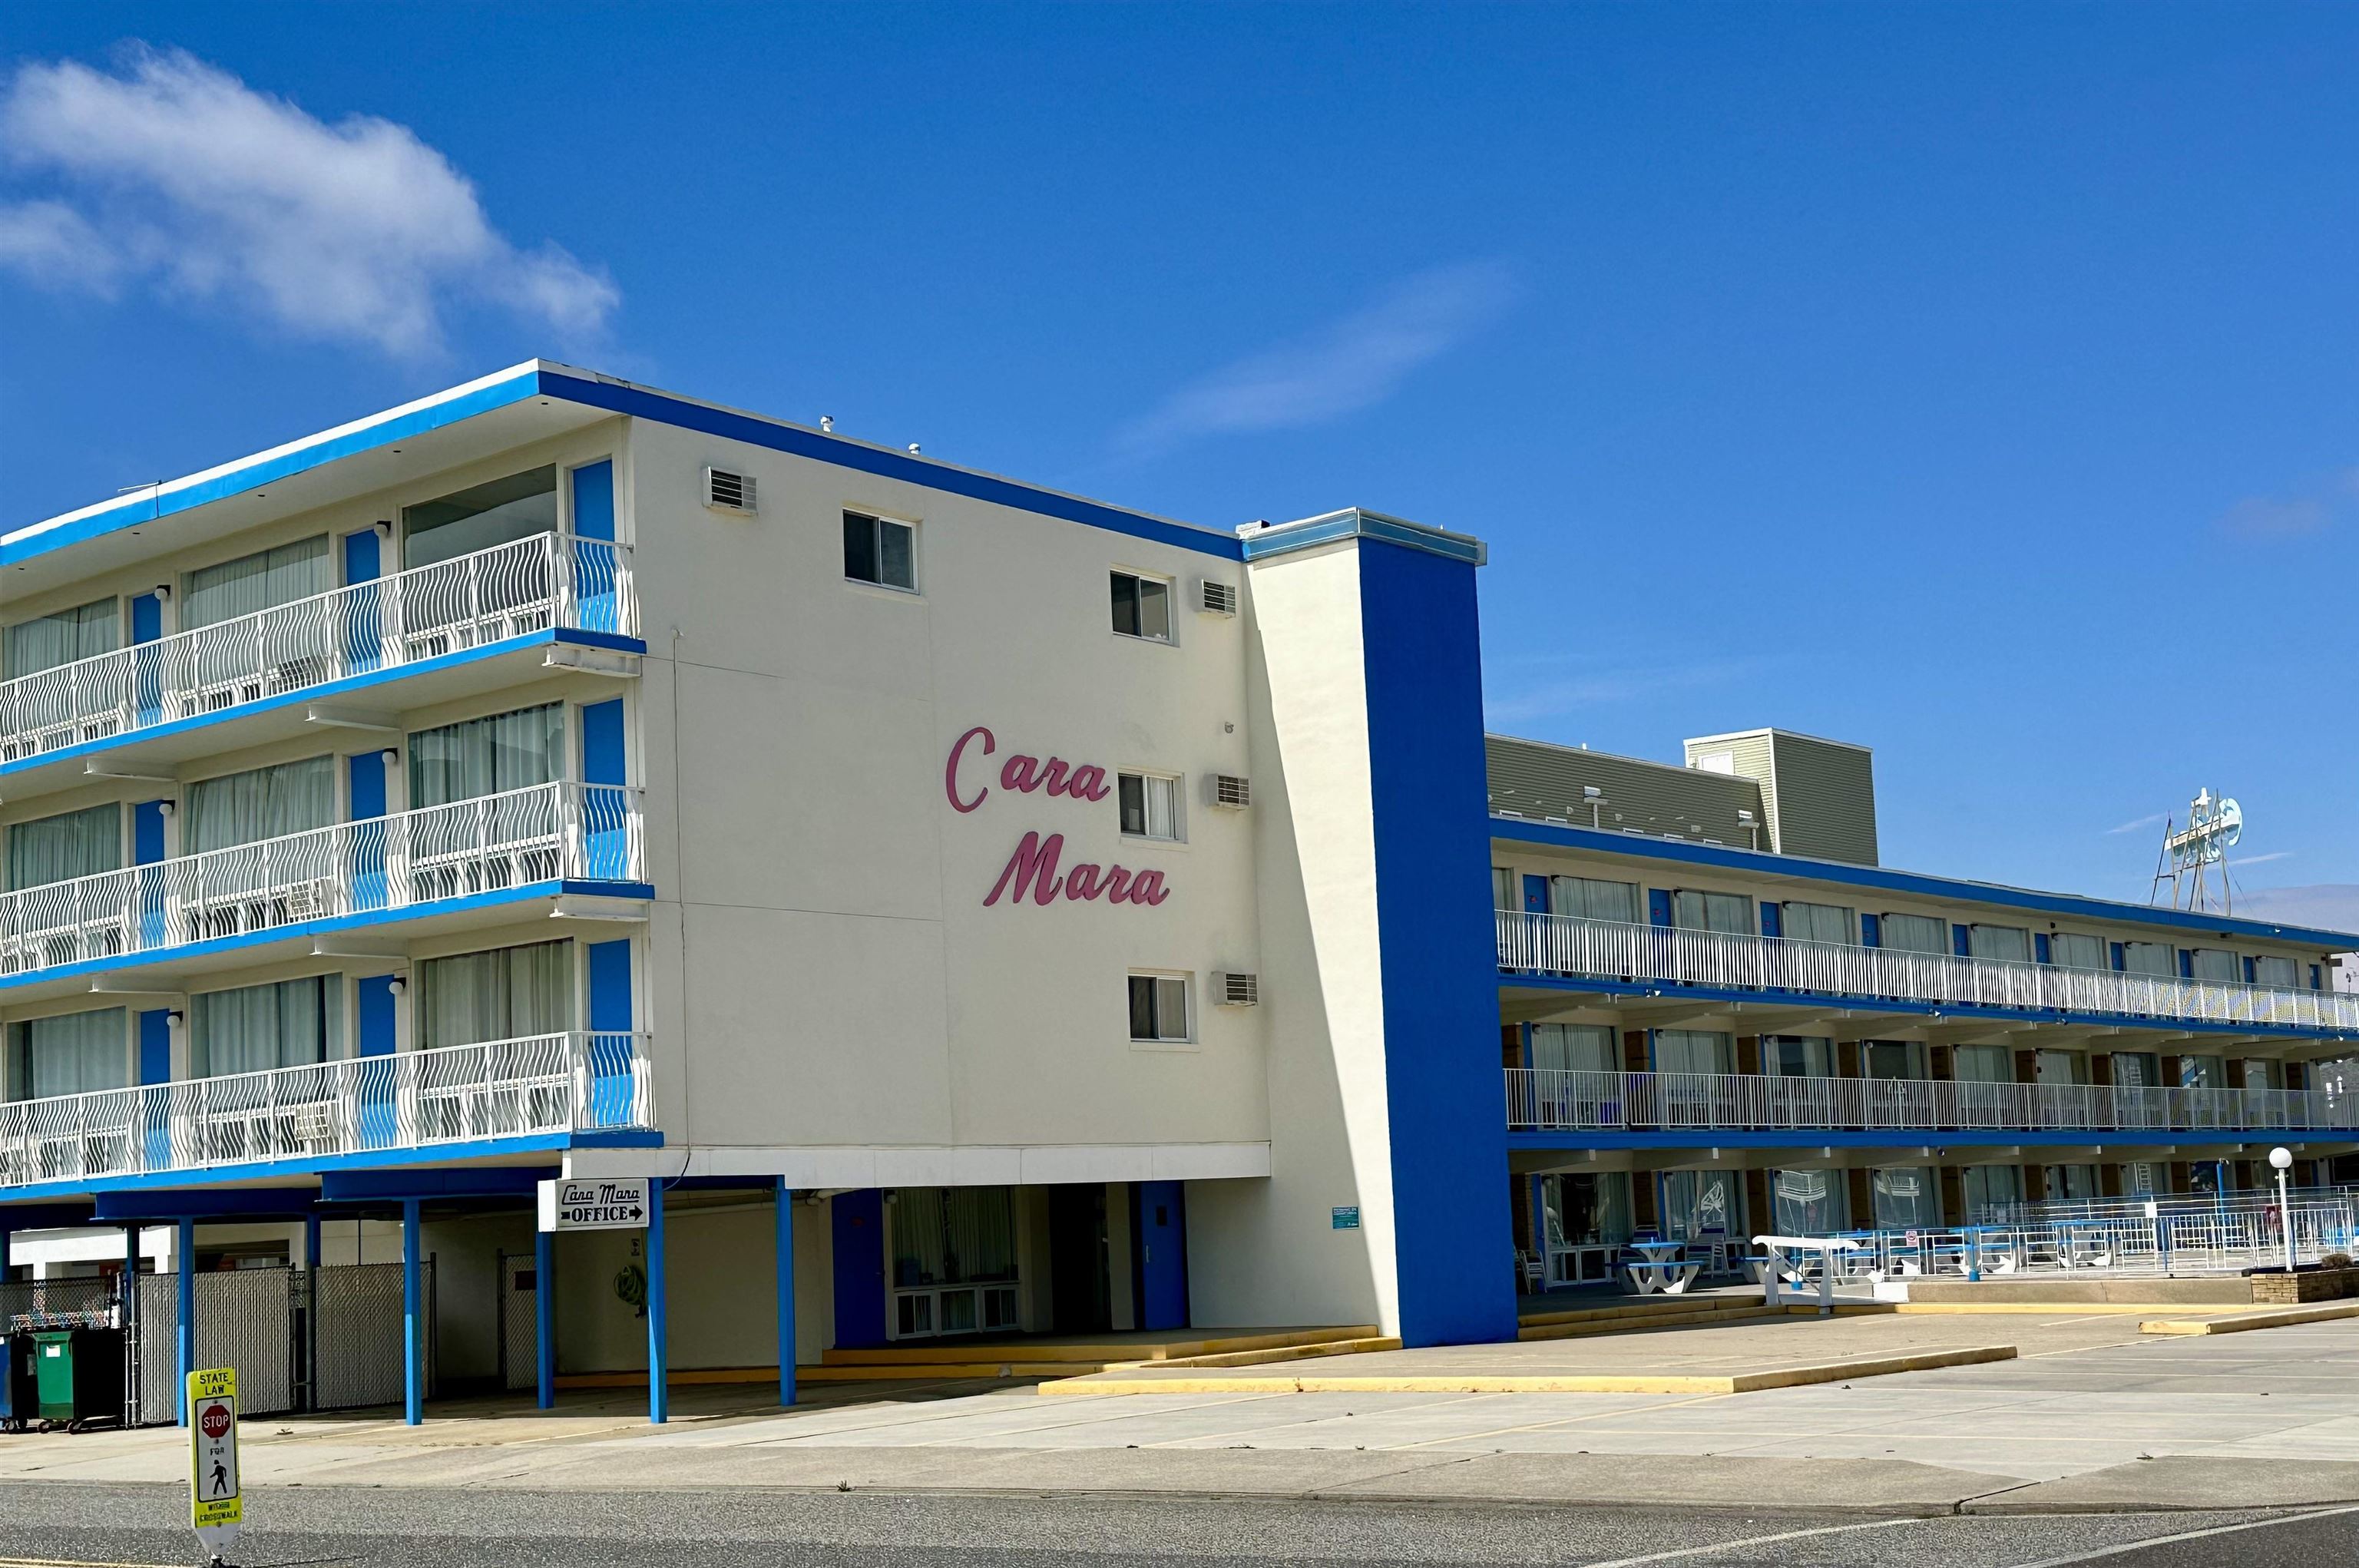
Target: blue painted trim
(366, 680)
(275, 1169)
(1264, 543)
(782, 1202)
(199, 1204)
(642, 403)
(658, 1313)
(413, 1319)
(184, 1264)
(1901, 1137)
(1878, 1004)
(298, 457)
(481, 1182)
(544, 1313)
(525, 894)
(1800, 868)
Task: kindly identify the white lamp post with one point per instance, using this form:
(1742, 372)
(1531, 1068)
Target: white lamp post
(2282, 1158)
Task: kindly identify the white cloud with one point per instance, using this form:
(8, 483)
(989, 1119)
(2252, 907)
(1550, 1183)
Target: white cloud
(2155, 820)
(1352, 364)
(2260, 859)
(178, 171)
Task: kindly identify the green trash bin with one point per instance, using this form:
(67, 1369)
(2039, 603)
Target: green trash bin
(79, 1375)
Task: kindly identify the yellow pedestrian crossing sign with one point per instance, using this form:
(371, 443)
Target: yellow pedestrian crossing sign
(216, 1507)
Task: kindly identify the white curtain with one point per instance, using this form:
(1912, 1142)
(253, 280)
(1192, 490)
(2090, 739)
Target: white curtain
(1916, 933)
(84, 632)
(2072, 950)
(952, 1235)
(1992, 1191)
(254, 582)
(1794, 1056)
(1892, 1059)
(509, 993)
(1818, 922)
(2010, 944)
(61, 848)
(1905, 1196)
(1984, 1064)
(1577, 1048)
(266, 803)
(1807, 1202)
(1693, 1051)
(2217, 963)
(258, 1028)
(484, 756)
(2283, 973)
(2149, 958)
(1592, 899)
(1587, 1211)
(72, 1054)
(1699, 1201)
(1729, 912)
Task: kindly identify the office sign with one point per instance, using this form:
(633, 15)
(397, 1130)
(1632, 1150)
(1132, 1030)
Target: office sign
(1347, 1217)
(216, 1506)
(606, 1202)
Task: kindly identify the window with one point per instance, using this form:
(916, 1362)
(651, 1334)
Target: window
(1503, 887)
(1699, 1202)
(1159, 1007)
(1586, 1210)
(1586, 898)
(1818, 922)
(1916, 933)
(263, 802)
(1793, 1056)
(486, 756)
(1991, 1192)
(2061, 1067)
(72, 1054)
(1984, 1064)
(1892, 1059)
(2137, 1070)
(1142, 606)
(258, 1028)
(254, 583)
(510, 993)
(879, 550)
(2279, 971)
(2007, 944)
(61, 848)
(1150, 805)
(2072, 950)
(2077, 1183)
(2149, 958)
(480, 517)
(1807, 1202)
(1905, 1198)
(2202, 1073)
(60, 638)
(1574, 1048)
(952, 1235)
(2216, 964)
(1728, 912)
(1693, 1051)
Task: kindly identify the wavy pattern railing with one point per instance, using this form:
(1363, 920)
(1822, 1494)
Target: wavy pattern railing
(460, 1093)
(1567, 945)
(525, 585)
(585, 832)
(1553, 1099)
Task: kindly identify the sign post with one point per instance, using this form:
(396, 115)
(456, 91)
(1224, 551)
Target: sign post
(604, 1203)
(216, 1506)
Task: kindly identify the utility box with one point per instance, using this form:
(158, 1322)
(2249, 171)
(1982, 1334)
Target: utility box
(78, 1373)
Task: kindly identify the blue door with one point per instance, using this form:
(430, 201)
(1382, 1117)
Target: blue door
(596, 563)
(612, 1021)
(373, 1015)
(364, 611)
(1159, 1230)
(147, 667)
(605, 813)
(859, 1267)
(156, 1067)
(364, 774)
(1536, 895)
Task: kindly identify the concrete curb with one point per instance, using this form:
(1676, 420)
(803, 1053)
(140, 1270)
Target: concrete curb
(2280, 1317)
(1511, 1383)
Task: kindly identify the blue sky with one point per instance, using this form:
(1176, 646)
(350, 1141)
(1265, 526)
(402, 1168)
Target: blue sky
(1975, 384)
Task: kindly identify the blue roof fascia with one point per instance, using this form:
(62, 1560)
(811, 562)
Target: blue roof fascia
(1797, 867)
(640, 402)
(1844, 1001)
(295, 457)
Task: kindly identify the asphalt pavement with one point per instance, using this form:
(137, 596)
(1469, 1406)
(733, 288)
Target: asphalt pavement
(320, 1527)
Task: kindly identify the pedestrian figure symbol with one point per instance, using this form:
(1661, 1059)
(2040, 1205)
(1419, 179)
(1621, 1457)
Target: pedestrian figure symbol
(221, 1478)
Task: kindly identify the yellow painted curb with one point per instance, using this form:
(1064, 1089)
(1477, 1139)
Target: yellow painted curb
(1264, 1357)
(1538, 1383)
(954, 1353)
(2278, 1317)
(2054, 1309)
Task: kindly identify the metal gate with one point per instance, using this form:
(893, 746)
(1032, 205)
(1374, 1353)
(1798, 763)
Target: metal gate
(326, 1339)
(358, 1309)
(519, 1322)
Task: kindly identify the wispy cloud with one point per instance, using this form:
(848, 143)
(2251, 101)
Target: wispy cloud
(2155, 820)
(2313, 508)
(1605, 687)
(1351, 364)
(177, 173)
(2260, 859)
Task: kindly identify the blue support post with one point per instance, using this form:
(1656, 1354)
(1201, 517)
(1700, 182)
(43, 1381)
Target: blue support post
(544, 1307)
(784, 1202)
(413, 1321)
(658, 1359)
(311, 1242)
(184, 1332)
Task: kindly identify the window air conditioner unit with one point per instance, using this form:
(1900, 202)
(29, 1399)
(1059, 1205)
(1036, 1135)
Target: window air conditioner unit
(1239, 990)
(1217, 598)
(727, 491)
(1228, 790)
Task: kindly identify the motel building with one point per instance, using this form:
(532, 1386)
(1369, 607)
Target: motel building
(979, 912)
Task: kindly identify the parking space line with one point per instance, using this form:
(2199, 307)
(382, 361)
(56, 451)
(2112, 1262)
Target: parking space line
(2106, 1552)
(1753, 1540)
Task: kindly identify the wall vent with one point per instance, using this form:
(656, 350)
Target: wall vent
(1217, 598)
(727, 491)
(1229, 790)
(1239, 990)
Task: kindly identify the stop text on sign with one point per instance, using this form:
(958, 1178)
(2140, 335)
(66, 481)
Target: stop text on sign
(1035, 869)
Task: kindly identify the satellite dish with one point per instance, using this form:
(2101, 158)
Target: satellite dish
(2231, 820)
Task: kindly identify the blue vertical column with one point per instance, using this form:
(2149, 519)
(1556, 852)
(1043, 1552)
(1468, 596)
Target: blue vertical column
(544, 1311)
(784, 1202)
(184, 1331)
(413, 1321)
(658, 1353)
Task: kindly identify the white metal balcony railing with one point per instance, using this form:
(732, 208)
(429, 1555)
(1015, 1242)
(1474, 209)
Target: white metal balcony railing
(576, 831)
(510, 590)
(509, 1088)
(1568, 945)
(1555, 1099)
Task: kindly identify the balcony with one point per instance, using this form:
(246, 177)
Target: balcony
(546, 583)
(543, 1086)
(547, 833)
(1567, 947)
(1555, 1100)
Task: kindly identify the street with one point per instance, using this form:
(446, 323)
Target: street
(53, 1524)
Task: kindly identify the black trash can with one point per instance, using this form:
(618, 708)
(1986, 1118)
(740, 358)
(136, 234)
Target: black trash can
(80, 1375)
(20, 1391)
